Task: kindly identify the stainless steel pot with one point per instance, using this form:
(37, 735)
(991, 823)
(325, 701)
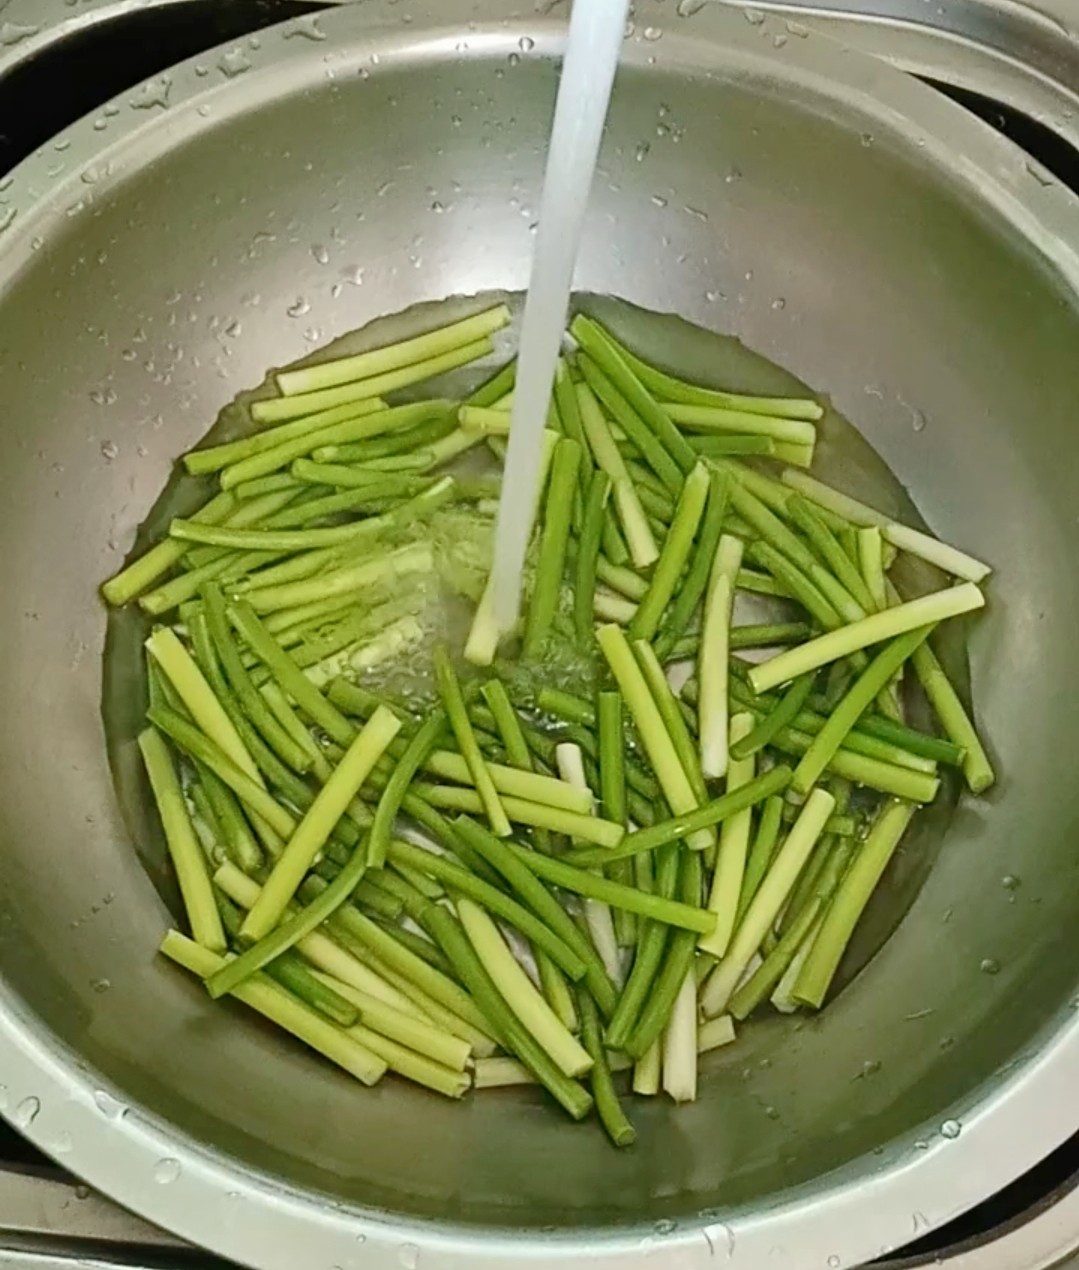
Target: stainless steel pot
(156, 264)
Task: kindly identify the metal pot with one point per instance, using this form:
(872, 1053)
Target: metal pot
(157, 263)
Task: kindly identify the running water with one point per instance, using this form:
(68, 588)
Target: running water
(595, 37)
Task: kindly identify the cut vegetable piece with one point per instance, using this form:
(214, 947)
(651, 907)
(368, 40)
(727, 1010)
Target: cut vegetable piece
(665, 832)
(850, 901)
(954, 719)
(672, 559)
(601, 349)
(554, 539)
(766, 904)
(581, 882)
(145, 570)
(761, 852)
(310, 835)
(926, 610)
(588, 545)
(273, 1002)
(733, 848)
(680, 1044)
(520, 994)
(654, 736)
(642, 545)
(454, 703)
(184, 850)
(377, 361)
(713, 706)
(279, 409)
(719, 419)
(950, 559)
(855, 702)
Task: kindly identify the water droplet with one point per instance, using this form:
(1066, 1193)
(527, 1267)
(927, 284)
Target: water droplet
(867, 139)
(321, 254)
(92, 174)
(1010, 882)
(101, 985)
(155, 92)
(771, 1112)
(166, 1171)
(921, 1145)
(665, 1226)
(298, 307)
(526, 44)
(652, 33)
(687, 8)
(733, 175)
(779, 303)
(408, 1256)
(713, 296)
(514, 59)
(233, 62)
(61, 1144)
(437, 208)
(3, 1097)
(946, 1042)
(82, 1192)
(695, 212)
(109, 450)
(833, 1261)
(108, 1105)
(658, 200)
(313, 334)
(26, 1112)
(989, 966)
(754, 17)
(779, 40)
(6, 217)
(919, 1222)
(1040, 175)
(917, 420)
(306, 28)
(951, 1129)
(15, 32)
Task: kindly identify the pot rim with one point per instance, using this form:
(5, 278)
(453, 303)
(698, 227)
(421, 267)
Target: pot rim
(861, 1210)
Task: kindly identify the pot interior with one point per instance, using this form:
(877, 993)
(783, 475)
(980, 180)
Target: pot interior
(176, 266)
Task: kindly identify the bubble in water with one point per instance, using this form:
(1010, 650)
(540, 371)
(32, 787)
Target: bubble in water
(951, 1129)
(321, 254)
(989, 966)
(298, 307)
(408, 1256)
(1010, 882)
(109, 450)
(166, 1171)
(234, 62)
(26, 1112)
(101, 985)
